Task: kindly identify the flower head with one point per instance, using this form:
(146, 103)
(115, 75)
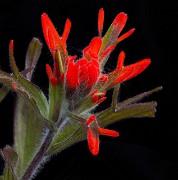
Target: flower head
(84, 79)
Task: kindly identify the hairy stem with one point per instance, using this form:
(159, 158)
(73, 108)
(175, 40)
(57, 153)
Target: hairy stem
(38, 159)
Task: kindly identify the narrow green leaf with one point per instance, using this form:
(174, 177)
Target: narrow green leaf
(28, 133)
(13, 65)
(137, 98)
(126, 102)
(139, 110)
(115, 97)
(26, 71)
(27, 86)
(32, 55)
(3, 92)
(1, 177)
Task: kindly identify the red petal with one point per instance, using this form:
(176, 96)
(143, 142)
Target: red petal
(138, 68)
(49, 71)
(120, 61)
(94, 99)
(53, 81)
(125, 35)
(119, 22)
(72, 74)
(95, 44)
(100, 21)
(11, 45)
(101, 100)
(108, 132)
(119, 76)
(48, 26)
(93, 141)
(91, 119)
(92, 50)
(66, 30)
(106, 52)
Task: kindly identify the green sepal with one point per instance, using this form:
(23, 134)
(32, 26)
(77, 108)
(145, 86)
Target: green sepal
(28, 134)
(31, 93)
(32, 55)
(3, 92)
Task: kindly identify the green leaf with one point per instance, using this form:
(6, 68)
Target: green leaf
(32, 55)
(137, 98)
(126, 102)
(1, 177)
(139, 110)
(3, 92)
(30, 92)
(33, 91)
(28, 133)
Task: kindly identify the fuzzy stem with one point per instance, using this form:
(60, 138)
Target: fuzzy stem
(38, 159)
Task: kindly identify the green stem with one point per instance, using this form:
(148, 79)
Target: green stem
(38, 159)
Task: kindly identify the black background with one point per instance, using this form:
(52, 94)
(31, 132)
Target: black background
(147, 148)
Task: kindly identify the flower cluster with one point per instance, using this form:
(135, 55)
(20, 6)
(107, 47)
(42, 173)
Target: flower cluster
(84, 78)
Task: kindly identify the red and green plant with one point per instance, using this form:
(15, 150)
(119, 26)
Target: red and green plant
(44, 125)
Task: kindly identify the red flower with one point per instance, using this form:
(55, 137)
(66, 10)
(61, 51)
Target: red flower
(85, 75)
(84, 78)
(93, 132)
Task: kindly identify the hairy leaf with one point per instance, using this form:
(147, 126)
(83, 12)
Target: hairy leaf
(32, 55)
(28, 132)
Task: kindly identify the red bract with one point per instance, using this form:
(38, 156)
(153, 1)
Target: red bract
(93, 132)
(53, 39)
(123, 73)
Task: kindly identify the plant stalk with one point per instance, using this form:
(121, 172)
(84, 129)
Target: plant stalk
(38, 159)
